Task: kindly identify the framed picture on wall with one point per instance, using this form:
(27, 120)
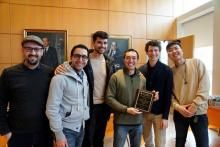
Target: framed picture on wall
(55, 45)
(116, 47)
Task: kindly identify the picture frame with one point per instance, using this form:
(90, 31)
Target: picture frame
(116, 47)
(57, 39)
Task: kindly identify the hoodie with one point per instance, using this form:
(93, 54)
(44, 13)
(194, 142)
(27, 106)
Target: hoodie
(67, 104)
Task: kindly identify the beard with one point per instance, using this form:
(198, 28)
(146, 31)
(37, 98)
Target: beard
(33, 60)
(100, 50)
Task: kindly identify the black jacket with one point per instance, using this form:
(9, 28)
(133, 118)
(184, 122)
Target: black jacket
(50, 58)
(159, 78)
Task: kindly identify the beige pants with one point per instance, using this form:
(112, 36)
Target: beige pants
(152, 126)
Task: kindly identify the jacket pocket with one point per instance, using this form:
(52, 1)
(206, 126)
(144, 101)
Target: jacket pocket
(73, 115)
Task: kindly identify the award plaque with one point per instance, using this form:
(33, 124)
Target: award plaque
(144, 100)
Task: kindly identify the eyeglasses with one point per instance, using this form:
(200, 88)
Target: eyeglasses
(30, 49)
(78, 56)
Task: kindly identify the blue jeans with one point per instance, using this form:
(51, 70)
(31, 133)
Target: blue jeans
(121, 132)
(199, 126)
(74, 139)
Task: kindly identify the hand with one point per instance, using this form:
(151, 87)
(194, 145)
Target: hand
(192, 108)
(183, 109)
(164, 123)
(61, 143)
(60, 70)
(155, 95)
(133, 111)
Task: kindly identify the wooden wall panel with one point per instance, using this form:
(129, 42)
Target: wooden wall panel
(16, 49)
(188, 45)
(56, 3)
(90, 4)
(34, 17)
(5, 18)
(137, 6)
(5, 52)
(7, 1)
(140, 19)
(159, 27)
(74, 40)
(121, 23)
(139, 45)
(160, 7)
(84, 22)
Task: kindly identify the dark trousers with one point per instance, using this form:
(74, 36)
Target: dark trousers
(199, 126)
(96, 126)
(37, 139)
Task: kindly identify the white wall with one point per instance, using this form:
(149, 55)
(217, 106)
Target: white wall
(198, 22)
(202, 28)
(216, 49)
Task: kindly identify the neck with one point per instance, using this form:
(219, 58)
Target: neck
(152, 63)
(131, 72)
(180, 62)
(30, 66)
(77, 71)
(96, 54)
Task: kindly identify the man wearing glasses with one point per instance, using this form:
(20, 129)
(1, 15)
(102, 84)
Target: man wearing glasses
(23, 94)
(68, 102)
(98, 70)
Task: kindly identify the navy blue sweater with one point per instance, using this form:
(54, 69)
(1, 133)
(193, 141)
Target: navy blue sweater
(159, 78)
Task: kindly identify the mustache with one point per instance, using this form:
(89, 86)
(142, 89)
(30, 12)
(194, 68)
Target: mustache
(32, 55)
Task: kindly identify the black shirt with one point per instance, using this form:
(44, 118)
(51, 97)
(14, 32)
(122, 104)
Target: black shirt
(25, 92)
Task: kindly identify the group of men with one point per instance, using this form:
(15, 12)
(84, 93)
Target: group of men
(79, 99)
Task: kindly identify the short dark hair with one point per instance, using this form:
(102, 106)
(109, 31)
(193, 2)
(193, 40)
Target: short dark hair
(79, 46)
(173, 42)
(153, 43)
(131, 50)
(100, 34)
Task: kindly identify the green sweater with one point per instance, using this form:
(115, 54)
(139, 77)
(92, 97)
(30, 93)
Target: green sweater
(121, 94)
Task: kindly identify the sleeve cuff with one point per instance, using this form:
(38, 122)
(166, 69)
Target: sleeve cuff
(59, 135)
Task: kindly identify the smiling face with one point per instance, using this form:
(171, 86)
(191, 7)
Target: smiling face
(32, 53)
(130, 60)
(175, 53)
(153, 53)
(100, 45)
(79, 59)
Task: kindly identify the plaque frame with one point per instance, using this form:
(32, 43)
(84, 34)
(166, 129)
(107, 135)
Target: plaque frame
(144, 96)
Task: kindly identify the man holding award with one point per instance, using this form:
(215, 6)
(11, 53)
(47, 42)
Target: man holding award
(121, 97)
(160, 78)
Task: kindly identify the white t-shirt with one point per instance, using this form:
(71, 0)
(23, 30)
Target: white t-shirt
(99, 73)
